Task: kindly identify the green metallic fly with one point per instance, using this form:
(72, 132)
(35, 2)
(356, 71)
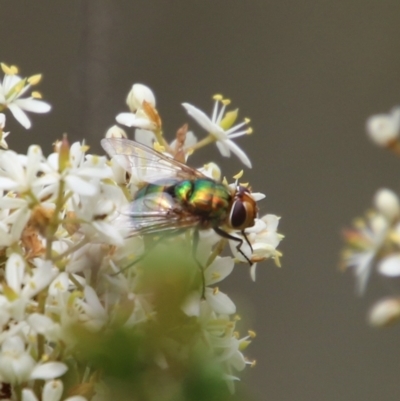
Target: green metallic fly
(173, 197)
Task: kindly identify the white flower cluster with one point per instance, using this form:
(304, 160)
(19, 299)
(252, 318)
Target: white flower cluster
(373, 244)
(64, 255)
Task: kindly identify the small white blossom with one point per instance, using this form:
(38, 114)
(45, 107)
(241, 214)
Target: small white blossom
(137, 95)
(12, 88)
(140, 99)
(16, 364)
(390, 265)
(387, 203)
(383, 129)
(219, 126)
(264, 240)
(385, 312)
(364, 241)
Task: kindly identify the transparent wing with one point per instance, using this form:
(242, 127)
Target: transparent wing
(144, 163)
(154, 213)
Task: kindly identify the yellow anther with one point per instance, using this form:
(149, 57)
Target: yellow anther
(225, 181)
(247, 120)
(252, 334)
(253, 363)
(226, 102)
(36, 95)
(244, 184)
(35, 79)
(237, 318)
(236, 334)
(9, 70)
(277, 259)
(218, 97)
(85, 148)
(249, 131)
(215, 291)
(238, 175)
(215, 276)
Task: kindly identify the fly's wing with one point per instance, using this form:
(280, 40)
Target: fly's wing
(154, 213)
(146, 164)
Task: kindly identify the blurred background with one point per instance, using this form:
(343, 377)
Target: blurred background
(308, 74)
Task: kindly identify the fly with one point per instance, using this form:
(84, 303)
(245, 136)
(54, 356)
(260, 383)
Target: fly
(173, 197)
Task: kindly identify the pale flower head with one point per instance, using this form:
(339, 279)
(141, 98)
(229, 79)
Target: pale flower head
(16, 364)
(137, 95)
(221, 127)
(12, 88)
(142, 103)
(385, 312)
(364, 242)
(384, 129)
(387, 203)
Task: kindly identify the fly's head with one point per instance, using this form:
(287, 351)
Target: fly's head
(243, 210)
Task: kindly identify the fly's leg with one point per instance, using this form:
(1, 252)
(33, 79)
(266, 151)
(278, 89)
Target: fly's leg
(194, 251)
(224, 234)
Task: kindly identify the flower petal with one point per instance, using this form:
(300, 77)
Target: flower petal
(390, 266)
(49, 370)
(20, 115)
(238, 152)
(33, 105)
(220, 302)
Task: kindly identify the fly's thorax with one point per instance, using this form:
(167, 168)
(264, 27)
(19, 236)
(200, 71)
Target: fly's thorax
(205, 197)
(243, 210)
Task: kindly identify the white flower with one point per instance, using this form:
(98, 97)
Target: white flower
(19, 172)
(3, 135)
(52, 391)
(264, 239)
(211, 170)
(387, 203)
(218, 301)
(390, 265)
(365, 240)
(137, 95)
(142, 103)
(12, 88)
(385, 312)
(383, 129)
(219, 126)
(16, 364)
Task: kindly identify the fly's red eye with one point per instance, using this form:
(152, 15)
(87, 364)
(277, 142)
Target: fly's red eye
(238, 214)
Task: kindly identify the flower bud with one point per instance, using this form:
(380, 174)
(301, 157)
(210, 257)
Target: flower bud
(387, 203)
(52, 390)
(116, 132)
(137, 95)
(63, 160)
(384, 312)
(383, 129)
